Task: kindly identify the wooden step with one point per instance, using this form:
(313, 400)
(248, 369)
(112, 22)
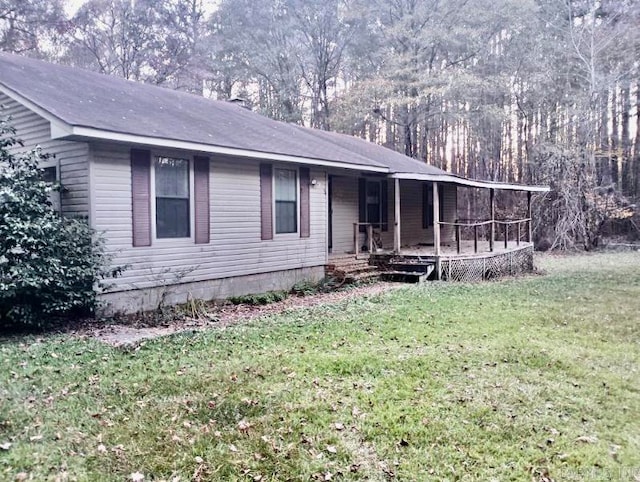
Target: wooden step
(405, 276)
(348, 267)
(412, 267)
(365, 276)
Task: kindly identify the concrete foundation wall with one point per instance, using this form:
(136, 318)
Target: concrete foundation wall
(146, 299)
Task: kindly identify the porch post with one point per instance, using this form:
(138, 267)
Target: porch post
(436, 230)
(396, 217)
(530, 232)
(436, 219)
(492, 210)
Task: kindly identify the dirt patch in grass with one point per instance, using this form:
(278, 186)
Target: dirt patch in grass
(220, 316)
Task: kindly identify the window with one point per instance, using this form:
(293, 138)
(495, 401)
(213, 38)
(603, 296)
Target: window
(172, 198)
(427, 204)
(286, 199)
(373, 203)
(374, 212)
(49, 174)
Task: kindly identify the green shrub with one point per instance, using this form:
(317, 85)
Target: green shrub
(305, 288)
(259, 298)
(49, 266)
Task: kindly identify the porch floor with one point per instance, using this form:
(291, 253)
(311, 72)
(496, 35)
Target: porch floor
(447, 250)
(466, 249)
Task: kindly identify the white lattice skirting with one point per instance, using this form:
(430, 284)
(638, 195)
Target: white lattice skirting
(487, 267)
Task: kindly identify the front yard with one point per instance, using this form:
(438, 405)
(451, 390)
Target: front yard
(534, 378)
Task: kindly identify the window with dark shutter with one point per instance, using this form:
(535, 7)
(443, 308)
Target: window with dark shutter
(373, 205)
(172, 198)
(286, 200)
(427, 204)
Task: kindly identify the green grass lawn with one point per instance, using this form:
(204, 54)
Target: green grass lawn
(526, 379)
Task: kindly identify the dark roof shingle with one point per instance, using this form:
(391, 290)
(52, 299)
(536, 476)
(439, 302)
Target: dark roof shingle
(81, 98)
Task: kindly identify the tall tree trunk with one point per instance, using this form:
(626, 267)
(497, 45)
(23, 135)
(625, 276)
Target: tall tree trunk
(636, 144)
(625, 140)
(615, 137)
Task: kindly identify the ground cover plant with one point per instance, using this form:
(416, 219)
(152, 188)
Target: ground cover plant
(534, 378)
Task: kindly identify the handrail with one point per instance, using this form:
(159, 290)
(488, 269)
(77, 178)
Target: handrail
(512, 221)
(356, 232)
(370, 224)
(484, 223)
(466, 225)
(492, 222)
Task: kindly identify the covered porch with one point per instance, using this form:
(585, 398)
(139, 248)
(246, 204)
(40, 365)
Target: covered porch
(423, 233)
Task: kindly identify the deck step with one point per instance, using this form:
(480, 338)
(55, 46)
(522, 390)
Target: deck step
(412, 267)
(370, 275)
(350, 268)
(405, 276)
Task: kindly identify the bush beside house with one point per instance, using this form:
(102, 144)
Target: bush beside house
(50, 266)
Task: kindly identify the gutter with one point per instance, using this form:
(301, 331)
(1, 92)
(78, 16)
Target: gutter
(468, 182)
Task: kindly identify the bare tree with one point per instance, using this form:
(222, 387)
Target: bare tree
(26, 26)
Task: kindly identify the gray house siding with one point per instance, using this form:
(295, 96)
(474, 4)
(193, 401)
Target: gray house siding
(235, 248)
(71, 158)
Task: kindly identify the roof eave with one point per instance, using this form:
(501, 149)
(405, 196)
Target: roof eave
(468, 182)
(56, 122)
(89, 133)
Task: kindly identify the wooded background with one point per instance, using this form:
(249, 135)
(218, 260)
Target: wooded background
(528, 91)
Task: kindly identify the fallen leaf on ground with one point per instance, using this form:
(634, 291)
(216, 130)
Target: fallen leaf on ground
(587, 439)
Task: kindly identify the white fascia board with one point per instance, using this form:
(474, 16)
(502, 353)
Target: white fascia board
(469, 182)
(99, 134)
(60, 130)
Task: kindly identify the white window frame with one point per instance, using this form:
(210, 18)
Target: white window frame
(155, 240)
(285, 167)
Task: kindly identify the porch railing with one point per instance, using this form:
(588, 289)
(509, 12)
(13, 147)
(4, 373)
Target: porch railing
(371, 242)
(492, 224)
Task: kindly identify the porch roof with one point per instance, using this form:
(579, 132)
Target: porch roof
(462, 181)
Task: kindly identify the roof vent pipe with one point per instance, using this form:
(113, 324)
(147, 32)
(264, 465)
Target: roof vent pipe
(240, 101)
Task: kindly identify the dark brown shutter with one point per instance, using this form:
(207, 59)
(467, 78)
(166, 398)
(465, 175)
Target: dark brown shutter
(201, 198)
(362, 202)
(266, 201)
(305, 215)
(141, 197)
(426, 207)
(384, 204)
